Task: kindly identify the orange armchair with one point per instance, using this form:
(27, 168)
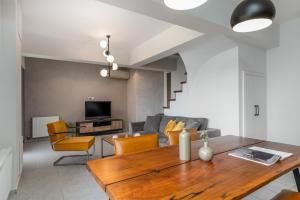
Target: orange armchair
(173, 136)
(60, 141)
(129, 145)
(287, 195)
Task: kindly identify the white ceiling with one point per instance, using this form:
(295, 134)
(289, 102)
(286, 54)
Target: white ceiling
(72, 29)
(219, 11)
(142, 30)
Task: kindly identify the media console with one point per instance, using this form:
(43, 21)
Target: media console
(99, 127)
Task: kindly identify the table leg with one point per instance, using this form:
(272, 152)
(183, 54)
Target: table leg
(101, 147)
(297, 178)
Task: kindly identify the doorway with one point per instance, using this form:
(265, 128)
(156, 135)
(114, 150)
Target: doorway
(254, 105)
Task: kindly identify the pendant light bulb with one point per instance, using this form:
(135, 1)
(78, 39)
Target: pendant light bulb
(104, 72)
(105, 53)
(103, 44)
(110, 59)
(115, 66)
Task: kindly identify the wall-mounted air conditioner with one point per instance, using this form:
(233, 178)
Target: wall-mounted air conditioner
(120, 74)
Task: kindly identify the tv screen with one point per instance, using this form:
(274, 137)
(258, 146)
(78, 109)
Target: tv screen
(95, 109)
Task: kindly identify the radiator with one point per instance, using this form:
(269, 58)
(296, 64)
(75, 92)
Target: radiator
(39, 125)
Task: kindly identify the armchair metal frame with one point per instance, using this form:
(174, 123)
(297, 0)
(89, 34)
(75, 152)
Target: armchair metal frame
(87, 155)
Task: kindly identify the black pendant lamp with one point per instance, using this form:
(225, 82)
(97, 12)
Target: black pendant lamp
(253, 15)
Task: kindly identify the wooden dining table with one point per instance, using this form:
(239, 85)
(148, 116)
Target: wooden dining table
(159, 174)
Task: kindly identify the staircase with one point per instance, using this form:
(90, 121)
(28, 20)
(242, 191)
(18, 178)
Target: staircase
(175, 92)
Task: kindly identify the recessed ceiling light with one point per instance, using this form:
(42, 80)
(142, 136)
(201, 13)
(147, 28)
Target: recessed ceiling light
(253, 15)
(184, 4)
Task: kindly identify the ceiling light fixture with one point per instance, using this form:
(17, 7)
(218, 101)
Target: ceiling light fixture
(184, 4)
(105, 53)
(103, 44)
(253, 15)
(105, 72)
(110, 59)
(115, 66)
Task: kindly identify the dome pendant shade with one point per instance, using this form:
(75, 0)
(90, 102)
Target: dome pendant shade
(253, 15)
(184, 4)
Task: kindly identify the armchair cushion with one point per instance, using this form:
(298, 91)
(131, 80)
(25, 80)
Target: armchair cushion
(75, 144)
(174, 136)
(136, 144)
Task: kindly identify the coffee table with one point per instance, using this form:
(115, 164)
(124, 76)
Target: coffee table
(110, 140)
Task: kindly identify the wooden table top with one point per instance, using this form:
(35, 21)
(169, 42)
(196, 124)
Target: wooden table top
(115, 169)
(224, 178)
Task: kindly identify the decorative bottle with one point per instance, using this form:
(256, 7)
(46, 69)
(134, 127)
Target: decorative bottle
(184, 145)
(205, 152)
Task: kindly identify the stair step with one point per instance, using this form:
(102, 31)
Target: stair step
(177, 91)
(183, 82)
(172, 99)
(166, 107)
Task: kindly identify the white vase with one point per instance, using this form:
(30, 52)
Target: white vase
(205, 152)
(184, 145)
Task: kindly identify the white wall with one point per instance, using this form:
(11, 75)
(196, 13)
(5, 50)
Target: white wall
(10, 85)
(212, 90)
(283, 86)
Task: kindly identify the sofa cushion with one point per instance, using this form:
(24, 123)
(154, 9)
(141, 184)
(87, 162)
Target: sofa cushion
(182, 119)
(164, 121)
(152, 124)
(189, 120)
(192, 124)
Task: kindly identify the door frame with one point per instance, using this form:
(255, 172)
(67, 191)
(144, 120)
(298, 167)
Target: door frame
(244, 75)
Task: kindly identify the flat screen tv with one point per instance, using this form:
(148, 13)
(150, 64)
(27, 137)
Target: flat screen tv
(97, 109)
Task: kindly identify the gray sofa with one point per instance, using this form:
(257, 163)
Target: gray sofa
(158, 123)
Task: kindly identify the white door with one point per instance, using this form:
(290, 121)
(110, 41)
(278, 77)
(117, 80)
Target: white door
(254, 108)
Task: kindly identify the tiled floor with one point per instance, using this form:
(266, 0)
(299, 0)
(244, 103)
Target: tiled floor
(41, 181)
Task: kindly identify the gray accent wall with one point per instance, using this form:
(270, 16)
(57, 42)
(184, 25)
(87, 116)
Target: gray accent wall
(61, 88)
(145, 94)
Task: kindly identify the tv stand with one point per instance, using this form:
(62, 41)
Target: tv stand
(99, 126)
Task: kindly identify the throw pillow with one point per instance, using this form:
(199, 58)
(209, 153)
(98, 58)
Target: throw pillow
(179, 126)
(169, 127)
(164, 122)
(152, 124)
(193, 124)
